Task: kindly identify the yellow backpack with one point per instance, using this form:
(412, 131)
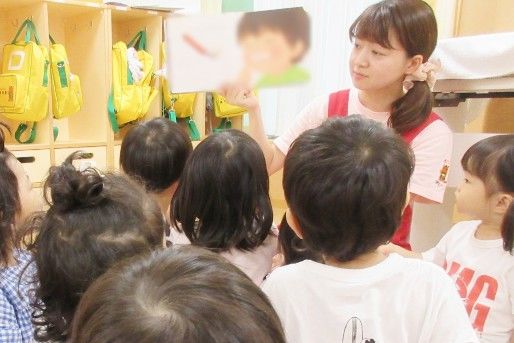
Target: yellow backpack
(130, 99)
(225, 110)
(178, 105)
(66, 90)
(24, 81)
(222, 109)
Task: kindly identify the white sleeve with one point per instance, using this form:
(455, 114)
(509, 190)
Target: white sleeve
(432, 150)
(437, 254)
(452, 324)
(510, 288)
(310, 117)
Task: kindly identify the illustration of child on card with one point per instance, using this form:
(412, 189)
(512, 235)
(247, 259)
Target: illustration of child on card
(261, 49)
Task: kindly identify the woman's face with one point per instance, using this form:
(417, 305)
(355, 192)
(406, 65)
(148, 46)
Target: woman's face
(374, 67)
(30, 200)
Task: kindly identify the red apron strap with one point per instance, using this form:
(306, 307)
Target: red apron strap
(401, 236)
(411, 134)
(338, 103)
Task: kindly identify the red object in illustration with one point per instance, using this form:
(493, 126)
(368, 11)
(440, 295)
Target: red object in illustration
(199, 48)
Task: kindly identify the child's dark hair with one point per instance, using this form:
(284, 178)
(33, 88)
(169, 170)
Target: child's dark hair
(414, 23)
(222, 201)
(292, 22)
(9, 201)
(181, 294)
(92, 222)
(292, 247)
(155, 152)
(492, 161)
(349, 200)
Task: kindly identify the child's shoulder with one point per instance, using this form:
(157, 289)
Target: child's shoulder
(464, 228)
(422, 274)
(418, 267)
(18, 276)
(290, 273)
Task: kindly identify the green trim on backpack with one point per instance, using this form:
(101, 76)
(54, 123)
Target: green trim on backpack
(21, 130)
(225, 124)
(111, 112)
(193, 130)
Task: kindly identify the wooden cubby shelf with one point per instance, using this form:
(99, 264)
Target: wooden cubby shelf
(88, 29)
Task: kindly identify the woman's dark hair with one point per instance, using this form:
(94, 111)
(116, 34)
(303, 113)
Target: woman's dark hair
(492, 161)
(92, 222)
(349, 200)
(181, 294)
(414, 23)
(155, 152)
(293, 248)
(9, 201)
(293, 23)
(222, 201)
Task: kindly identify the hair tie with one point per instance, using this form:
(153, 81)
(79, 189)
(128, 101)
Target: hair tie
(425, 72)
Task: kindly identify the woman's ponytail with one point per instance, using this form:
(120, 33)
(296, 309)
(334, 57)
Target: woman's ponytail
(412, 109)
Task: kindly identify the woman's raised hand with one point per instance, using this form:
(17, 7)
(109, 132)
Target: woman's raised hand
(240, 95)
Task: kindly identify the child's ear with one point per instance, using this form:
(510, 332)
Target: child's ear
(413, 64)
(293, 223)
(503, 201)
(298, 49)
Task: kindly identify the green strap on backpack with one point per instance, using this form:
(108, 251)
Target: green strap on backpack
(225, 124)
(170, 113)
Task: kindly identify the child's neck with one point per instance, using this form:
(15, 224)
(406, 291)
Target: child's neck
(363, 261)
(380, 100)
(489, 229)
(163, 200)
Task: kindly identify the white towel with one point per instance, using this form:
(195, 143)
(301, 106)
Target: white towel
(476, 57)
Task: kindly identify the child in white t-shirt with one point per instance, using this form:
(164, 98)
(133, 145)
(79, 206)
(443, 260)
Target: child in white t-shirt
(478, 254)
(222, 203)
(344, 204)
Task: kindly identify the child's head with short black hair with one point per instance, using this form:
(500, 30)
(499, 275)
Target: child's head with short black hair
(154, 153)
(222, 201)
(92, 222)
(182, 294)
(346, 186)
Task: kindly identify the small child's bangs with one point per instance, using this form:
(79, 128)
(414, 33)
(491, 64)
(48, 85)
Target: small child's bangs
(471, 163)
(481, 160)
(373, 25)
